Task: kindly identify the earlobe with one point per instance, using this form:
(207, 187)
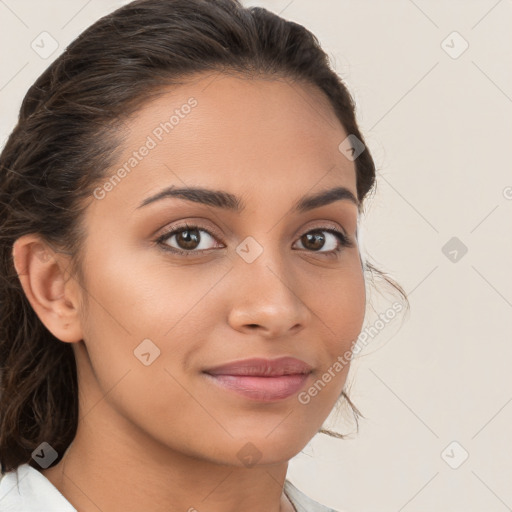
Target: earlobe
(48, 286)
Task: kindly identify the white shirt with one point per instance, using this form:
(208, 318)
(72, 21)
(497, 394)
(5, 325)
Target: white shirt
(27, 490)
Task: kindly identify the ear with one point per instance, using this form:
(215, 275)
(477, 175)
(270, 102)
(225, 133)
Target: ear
(52, 292)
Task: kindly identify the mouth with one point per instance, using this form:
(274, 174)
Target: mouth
(261, 379)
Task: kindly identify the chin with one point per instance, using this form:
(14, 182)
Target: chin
(263, 449)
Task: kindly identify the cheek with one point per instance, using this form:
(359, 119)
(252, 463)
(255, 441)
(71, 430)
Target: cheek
(339, 304)
(132, 299)
(142, 296)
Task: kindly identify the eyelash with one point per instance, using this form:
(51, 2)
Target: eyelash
(344, 241)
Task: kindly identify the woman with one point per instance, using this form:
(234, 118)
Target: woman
(181, 277)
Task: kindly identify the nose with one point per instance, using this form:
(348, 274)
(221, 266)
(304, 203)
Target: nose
(267, 299)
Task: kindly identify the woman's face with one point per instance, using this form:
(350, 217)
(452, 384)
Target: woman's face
(259, 278)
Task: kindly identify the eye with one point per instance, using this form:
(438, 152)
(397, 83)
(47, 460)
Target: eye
(316, 240)
(187, 238)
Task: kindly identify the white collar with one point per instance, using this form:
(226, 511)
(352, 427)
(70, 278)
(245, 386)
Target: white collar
(28, 490)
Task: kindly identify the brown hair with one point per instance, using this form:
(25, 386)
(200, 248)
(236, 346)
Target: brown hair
(68, 134)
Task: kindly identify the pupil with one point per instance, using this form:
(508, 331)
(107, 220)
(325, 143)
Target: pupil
(190, 238)
(316, 236)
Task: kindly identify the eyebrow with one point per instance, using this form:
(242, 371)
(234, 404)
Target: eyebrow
(228, 201)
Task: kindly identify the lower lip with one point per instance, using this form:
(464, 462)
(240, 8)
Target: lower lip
(267, 389)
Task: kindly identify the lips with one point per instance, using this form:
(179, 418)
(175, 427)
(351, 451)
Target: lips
(266, 380)
(259, 367)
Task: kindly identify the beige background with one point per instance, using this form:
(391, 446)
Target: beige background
(440, 129)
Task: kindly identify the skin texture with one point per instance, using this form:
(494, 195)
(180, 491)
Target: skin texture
(164, 426)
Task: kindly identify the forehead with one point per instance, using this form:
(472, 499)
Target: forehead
(258, 136)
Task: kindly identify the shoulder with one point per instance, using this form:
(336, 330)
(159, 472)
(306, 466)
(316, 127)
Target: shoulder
(303, 503)
(27, 490)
